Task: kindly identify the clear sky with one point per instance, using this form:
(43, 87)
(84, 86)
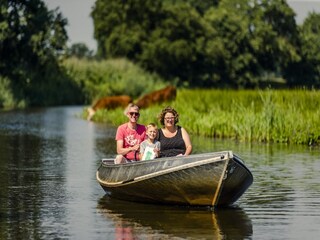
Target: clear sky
(80, 24)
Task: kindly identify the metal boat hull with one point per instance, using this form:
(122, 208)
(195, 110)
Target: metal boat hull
(210, 179)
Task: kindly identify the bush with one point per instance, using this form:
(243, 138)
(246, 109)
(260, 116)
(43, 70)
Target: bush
(7, 100)
(111, 77)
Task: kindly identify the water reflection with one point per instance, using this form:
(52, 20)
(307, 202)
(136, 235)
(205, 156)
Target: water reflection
(140, 221)
(48, 190)
(31, 173)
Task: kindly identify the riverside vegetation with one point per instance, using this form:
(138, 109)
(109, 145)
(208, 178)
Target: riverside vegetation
(283, 116)
(110, 77)
(212, 44)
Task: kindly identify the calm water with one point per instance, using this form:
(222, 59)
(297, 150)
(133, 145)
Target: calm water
(48, 160)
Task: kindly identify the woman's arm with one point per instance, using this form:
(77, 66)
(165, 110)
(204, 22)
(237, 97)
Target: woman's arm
(187, 141)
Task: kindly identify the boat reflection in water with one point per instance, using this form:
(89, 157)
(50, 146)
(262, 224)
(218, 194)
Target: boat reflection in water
(141, 221)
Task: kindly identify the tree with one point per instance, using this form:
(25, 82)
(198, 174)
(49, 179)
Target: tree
(200, 6)
(307, 71)
(120, 27)
(173, 48)
(161, 37)
(237, 43)
(79, 50)
(252, 39)
(31, 40)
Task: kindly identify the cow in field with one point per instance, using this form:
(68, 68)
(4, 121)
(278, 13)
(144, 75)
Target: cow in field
(166, 94)
(110, 102)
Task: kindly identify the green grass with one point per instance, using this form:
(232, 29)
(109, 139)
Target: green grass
(284, 116)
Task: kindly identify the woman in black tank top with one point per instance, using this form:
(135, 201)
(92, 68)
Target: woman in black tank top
(174, 140)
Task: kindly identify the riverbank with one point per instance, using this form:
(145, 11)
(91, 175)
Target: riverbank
(283, 116)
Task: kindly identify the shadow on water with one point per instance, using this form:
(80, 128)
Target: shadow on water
(137, 220)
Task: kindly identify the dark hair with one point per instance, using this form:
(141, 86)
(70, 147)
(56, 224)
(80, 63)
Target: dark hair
(168, 110)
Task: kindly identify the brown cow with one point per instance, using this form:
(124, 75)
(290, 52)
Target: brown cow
(162, 95)
(110, 102)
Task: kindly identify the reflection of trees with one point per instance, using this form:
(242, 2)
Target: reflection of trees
(105, 140)
(31, 169)
(157, 221)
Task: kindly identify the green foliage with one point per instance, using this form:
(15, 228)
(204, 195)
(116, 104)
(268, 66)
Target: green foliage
(31, 39)
(110, 77)
(200, 6)
(79, 50)
(227, 43)
(250, 41)
(54, 89)
(120, 27)
(7, 100)
(172, 49)
(222, 43)
(267, 116)
(308, 71)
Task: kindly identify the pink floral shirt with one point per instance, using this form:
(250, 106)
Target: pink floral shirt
(131, 137)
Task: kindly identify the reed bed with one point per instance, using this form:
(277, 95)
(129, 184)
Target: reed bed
(283, 116)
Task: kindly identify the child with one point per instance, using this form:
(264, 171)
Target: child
(149, 148)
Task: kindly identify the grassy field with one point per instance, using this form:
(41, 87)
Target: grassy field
(284, 116)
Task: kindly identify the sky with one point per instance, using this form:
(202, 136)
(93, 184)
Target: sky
(80, 24)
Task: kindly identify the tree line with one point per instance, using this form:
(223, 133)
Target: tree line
(32, 41)
(222, 43)
(191, 43)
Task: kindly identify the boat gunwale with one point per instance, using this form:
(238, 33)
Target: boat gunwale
(161, 172)
(109, 162)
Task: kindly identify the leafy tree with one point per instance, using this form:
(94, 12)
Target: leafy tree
(173, 49)
(238, 43)
(161, 37)
(278, 35)
(228, 48)
(120, 27)
(307, 71)
(253, 38)
(79, 50)
(200, 6)
(31, 40)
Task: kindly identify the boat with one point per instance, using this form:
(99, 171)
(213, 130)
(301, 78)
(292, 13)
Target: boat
(205, 179)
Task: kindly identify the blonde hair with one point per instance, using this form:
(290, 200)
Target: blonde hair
(151, 125)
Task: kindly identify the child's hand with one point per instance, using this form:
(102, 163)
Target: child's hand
(156, 151)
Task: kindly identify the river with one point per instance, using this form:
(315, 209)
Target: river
(48, 160)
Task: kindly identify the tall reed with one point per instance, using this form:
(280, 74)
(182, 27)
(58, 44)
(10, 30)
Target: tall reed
(284, 116)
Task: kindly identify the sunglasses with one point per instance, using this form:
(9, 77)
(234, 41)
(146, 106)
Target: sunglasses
(169, 118)
(134, 113)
